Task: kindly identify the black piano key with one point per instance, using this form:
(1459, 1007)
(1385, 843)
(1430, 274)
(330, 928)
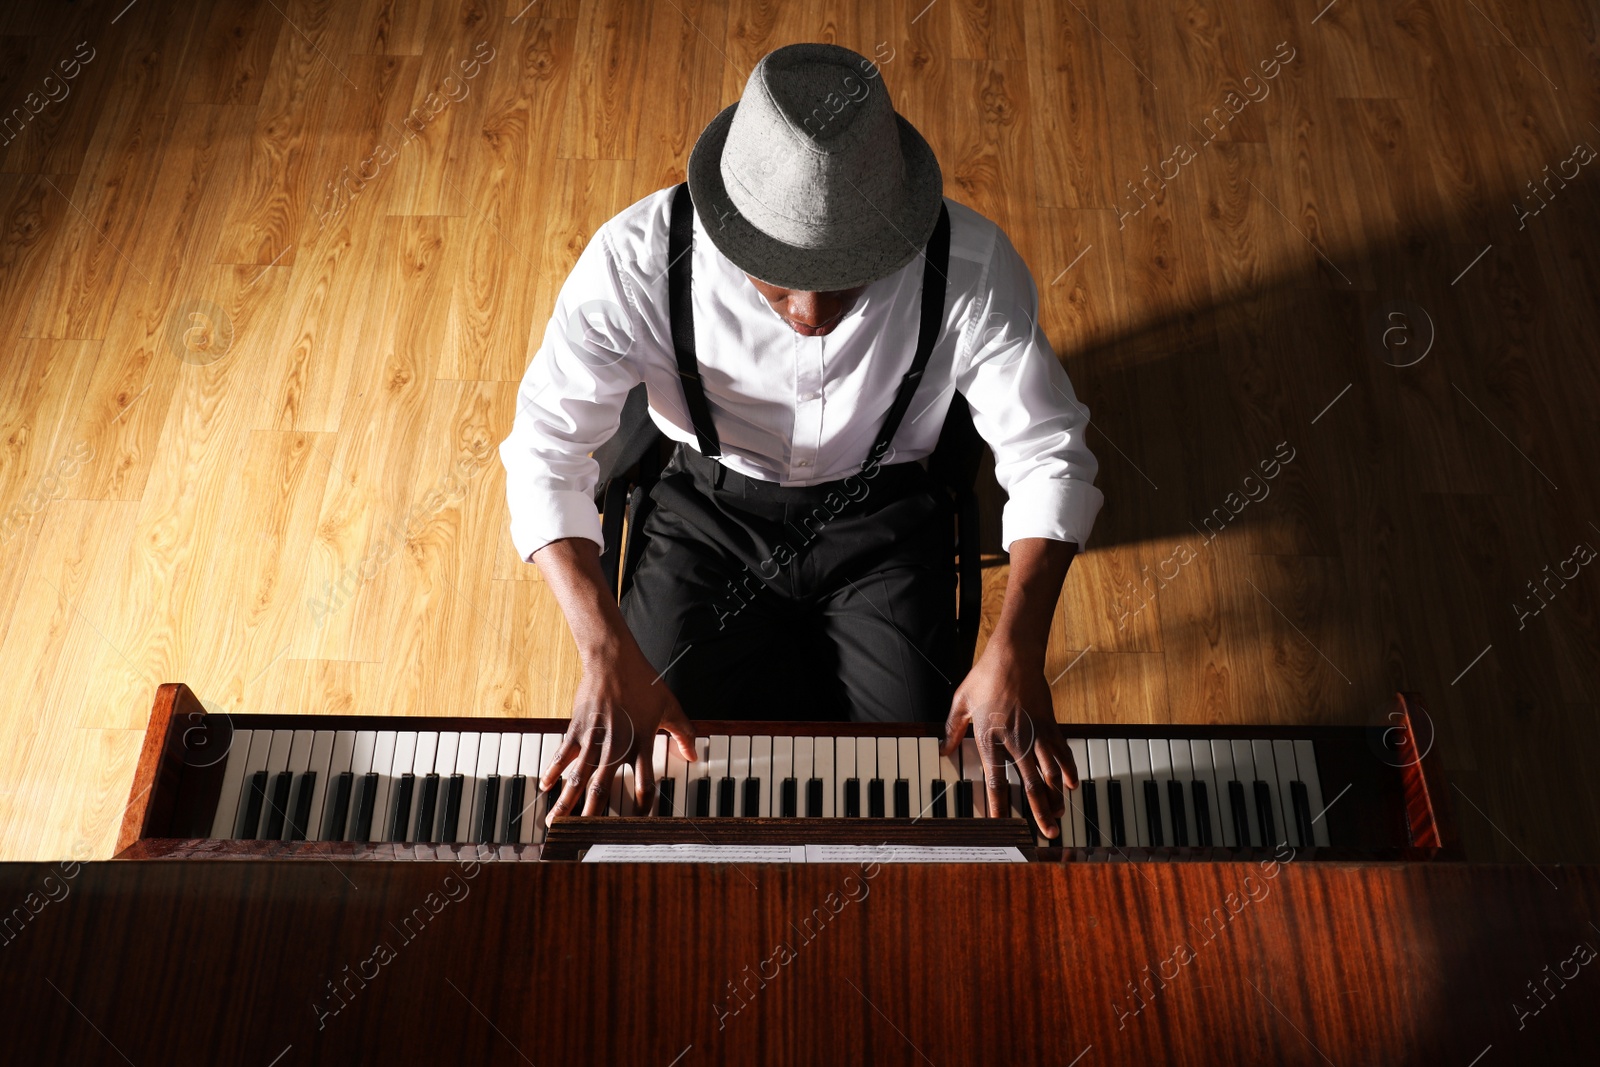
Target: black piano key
(814, 798)
(702, 798)
(752, 797)
(1241, 818)
(725, 798)
(488, 807)
(300, 809)
(902, 799)
(852, 798)
(875, 798)
(964, 799)
(1119, 831)
(1300, 801)
(455, 788)
(941, 807)
(516, 800)
(254, 800)
(277, 806)
(552, 797)
(1202, 814)
(789, 799)
(1269, 828)
(1152, 813)
(362, 831)
(400, 817)
(666, 796)
(428, 809)
(337, 813)
(1180, 822)
(1091, 814)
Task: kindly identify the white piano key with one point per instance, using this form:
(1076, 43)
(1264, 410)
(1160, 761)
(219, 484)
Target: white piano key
(1139, 763)
(341, 760)
(621, 786)
(1099, 752)
(1183, 774)
(761, 768)
(908, 769)
(1161, 775)
(804, 760)
(1244, 772)
(888, 768)
(488, 763)
(678, 772)
(721, 746)
(1122, 773)
(321, 757)
(1014, 789)
(782, 770)
(1267, 771)
(699, 771)
(382, 765)
(658, 771)
(550, 745)
(405, 755)
(1305, 761)
(233, 779)
(528, 757)
(739, 768)
(823, 767)
(1283, 763)
(866, 765)
(1080, 757)
(506, 768)
(928, 769)
(260, 754)
(1222, 764)
(973, 771)
(844, 768)
(1204, 769)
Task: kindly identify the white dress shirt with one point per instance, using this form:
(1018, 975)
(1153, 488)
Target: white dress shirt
(792, 409)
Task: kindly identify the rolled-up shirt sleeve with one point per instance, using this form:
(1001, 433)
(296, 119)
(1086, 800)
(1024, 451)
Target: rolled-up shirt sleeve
(1024, 407)
(570, 403)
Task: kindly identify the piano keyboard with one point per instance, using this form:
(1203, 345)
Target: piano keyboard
(463, 787)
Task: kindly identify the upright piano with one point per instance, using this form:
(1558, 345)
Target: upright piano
(408, 788)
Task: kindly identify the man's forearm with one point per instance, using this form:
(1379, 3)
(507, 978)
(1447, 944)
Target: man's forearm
(1038, 569)
(571, 568)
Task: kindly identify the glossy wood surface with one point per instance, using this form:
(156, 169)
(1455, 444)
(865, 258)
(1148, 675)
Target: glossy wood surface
(1021, 964)
(247, 420)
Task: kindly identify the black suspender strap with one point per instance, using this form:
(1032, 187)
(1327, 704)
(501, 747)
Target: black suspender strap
(933, 281)
(681, 309)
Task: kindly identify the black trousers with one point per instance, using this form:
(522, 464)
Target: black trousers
(831, 602)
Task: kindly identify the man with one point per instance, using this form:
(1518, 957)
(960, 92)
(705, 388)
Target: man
(797, 560)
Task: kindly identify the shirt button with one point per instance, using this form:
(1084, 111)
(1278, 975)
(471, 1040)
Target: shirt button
(803, 463)
(810, 396)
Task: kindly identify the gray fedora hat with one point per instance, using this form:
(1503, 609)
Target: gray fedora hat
(812, 181)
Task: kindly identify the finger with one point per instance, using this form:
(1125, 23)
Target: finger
(577, 777)
(564, 756)
(955, 727)
(1050, 771)
(1038, 796)
(597, 798)
(992, 749)
(677, 726)
(1069, 766)
(644, 782)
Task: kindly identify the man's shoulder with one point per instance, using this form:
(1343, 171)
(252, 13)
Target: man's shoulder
(974, 237)
(641, 221)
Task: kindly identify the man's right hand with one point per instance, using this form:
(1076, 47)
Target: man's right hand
(621, 699)
(620, 705)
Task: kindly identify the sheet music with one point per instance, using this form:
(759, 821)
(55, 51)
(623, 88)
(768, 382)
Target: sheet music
(913, 854)
(695, 854)
(853, 854)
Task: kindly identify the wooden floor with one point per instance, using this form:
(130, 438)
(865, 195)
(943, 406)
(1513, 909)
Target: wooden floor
(268, 282)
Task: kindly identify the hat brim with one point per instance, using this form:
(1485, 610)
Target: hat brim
(877, 253)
